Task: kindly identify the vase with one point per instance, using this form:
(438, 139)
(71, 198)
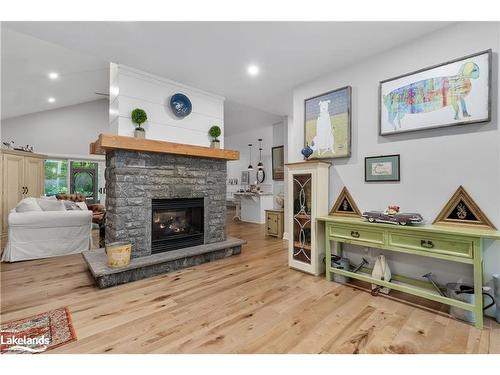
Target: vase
(307, 151)
(118, 254)
(215, 144)
(139, 133)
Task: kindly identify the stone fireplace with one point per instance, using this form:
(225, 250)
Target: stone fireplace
(168, 200)
(137, 181)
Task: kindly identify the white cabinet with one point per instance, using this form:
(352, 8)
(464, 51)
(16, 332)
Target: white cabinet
(307, 199)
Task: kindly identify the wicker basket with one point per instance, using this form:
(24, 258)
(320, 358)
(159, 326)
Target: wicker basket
(118, 254)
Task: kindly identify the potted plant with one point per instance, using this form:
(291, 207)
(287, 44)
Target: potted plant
(215, 132)
(138, 118)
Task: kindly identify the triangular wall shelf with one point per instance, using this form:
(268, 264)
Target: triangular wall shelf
(345, 205)
(462, 210)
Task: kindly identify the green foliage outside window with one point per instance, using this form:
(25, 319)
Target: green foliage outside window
(56, 177)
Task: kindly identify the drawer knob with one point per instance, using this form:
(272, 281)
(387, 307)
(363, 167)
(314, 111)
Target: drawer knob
(354, 234)
(427, 244)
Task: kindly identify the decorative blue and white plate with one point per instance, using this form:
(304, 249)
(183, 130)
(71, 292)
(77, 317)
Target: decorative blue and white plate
(181, 105)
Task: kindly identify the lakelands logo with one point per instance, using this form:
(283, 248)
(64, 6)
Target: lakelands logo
(29, 344)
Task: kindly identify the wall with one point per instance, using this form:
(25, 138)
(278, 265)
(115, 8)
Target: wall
(433, 162)
(246, 125)
(66, 131)
(131, 88)
(278, 140)
(289, 148)
(240, 142)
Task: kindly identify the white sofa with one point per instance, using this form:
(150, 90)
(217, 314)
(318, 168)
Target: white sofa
(43, 234)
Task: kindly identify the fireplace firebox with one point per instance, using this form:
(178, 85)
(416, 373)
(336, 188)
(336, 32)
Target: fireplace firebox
(176, 223)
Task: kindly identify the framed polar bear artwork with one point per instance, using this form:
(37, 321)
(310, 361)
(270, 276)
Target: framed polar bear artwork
(327, 124)
(456, 92)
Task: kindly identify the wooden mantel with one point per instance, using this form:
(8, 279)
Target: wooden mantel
(108, 142)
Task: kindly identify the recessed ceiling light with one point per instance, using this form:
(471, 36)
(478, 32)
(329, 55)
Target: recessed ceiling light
(53, 75)
(51, 100)
(253, 70)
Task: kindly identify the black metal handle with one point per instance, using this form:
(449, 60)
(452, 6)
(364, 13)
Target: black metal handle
(27, 190)
(354, 234)
(427, 244)
(492, 301)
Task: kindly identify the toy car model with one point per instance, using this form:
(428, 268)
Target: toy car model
(401, 219)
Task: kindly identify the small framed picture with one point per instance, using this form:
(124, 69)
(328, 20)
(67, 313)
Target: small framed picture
(382, 168)
(245, 177)
(278, 161)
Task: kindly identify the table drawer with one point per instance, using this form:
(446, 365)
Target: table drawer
(433, 244)
(357, 234)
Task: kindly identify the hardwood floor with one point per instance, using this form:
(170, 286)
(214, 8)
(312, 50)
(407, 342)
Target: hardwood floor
(252, 303)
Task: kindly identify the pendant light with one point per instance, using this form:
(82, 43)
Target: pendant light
(260, 165)
(250, 167)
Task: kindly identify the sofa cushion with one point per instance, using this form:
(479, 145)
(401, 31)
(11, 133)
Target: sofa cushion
(28, 205)
(77, 197)
(51, 205)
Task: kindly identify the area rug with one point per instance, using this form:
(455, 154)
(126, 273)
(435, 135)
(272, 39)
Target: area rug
(37, 333)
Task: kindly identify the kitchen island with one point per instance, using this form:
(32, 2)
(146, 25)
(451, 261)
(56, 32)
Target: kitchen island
(254, 205)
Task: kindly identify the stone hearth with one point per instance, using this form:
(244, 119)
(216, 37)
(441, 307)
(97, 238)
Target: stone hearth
(157, 264)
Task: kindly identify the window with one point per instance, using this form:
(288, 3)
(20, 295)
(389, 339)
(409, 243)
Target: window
(56, 177)
(83, 179)
(75, 176)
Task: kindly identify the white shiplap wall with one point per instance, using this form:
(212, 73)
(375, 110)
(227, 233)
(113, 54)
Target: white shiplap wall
(137, 89)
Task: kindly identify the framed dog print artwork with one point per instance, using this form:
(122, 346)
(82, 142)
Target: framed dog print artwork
(327, 124)
(382, 168)
(457, 92)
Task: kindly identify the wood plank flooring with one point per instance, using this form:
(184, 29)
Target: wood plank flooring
(252, 303)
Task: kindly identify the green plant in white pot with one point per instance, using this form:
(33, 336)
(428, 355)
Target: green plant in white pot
(139, 117)
(215, 132)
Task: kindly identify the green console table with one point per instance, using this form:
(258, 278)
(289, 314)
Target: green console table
(451, 243)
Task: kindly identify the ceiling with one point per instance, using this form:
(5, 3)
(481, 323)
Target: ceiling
(240, 118)
(26, 87)
(212, 56)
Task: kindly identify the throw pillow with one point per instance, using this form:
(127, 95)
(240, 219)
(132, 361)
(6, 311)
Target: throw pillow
(82, 205)
(71, 206)
(51, 205)
(51, 197)
(28, 205)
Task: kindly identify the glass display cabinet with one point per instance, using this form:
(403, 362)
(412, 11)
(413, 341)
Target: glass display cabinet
(307, 200)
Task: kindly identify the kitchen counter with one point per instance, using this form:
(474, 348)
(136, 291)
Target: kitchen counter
(254, 205)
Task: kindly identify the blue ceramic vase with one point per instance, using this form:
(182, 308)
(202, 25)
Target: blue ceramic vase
(307, 151)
